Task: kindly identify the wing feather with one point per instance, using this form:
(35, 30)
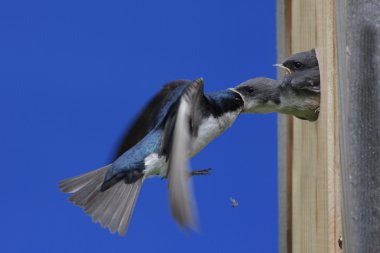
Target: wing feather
(148, 118)
(180, 190)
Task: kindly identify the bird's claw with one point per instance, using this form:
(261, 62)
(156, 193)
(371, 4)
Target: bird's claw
(202, 172)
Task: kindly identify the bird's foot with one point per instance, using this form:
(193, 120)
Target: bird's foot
(200, 172)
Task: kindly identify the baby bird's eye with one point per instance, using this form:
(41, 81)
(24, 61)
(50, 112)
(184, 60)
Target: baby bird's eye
(250, 90)
(297, 65)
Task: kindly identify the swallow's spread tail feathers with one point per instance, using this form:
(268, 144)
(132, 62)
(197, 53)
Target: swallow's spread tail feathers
(112, 208)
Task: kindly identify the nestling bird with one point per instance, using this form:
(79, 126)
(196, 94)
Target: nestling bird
(178, 122)
(300, 87)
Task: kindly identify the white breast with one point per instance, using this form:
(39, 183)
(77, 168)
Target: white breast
(210, 128)
(155, 165)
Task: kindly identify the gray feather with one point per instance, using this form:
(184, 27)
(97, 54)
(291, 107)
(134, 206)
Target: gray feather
(112, 208)
(118, 214)
(180, 191)
(76, 183)
(149, 117)
(105, 198)
(129, 207)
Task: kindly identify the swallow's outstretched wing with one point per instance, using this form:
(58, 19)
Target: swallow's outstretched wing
(176, 109)
(149, 117)
(181, 126)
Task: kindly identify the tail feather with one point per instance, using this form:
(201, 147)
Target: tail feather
(93, 202)
(81, 197)
(118, 215)
(104, 199)
(130, 206)
(86, 192)
(112, 208)
(102, 212)
(74, 184)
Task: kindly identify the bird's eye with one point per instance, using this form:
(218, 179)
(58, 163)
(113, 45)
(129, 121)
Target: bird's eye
(297, 65)
(250, 90)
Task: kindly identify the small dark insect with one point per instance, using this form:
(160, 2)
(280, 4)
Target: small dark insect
(234, 203)
(340, 242)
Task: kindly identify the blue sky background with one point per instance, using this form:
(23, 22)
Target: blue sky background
(73, 74)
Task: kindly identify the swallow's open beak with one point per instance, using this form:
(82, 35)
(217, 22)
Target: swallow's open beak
(279, 65)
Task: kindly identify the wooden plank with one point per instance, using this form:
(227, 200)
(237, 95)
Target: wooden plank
(313, 153)
(285, 135)
(358, 36)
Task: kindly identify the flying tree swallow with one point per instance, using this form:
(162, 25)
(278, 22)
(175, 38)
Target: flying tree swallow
(176, 124)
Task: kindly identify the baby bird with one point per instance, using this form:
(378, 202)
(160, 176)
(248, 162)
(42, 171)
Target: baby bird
(300, 87)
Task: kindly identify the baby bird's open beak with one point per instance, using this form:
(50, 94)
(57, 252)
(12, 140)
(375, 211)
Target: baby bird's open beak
(279, 65)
